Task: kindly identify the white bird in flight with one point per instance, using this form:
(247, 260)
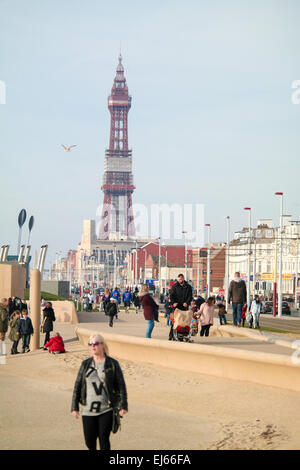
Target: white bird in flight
(67, 149)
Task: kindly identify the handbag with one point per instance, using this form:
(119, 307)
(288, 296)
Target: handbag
(116, 422)
(42, 326)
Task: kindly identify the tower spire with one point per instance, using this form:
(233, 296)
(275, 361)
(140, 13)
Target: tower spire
(117, 213)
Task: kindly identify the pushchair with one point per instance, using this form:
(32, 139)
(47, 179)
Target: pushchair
(181, 325)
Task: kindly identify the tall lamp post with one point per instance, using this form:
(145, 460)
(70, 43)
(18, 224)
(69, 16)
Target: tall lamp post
(208, 260)
(159, 270)
(280, 258)
(227, 260)
(249, 257)
(185, 253)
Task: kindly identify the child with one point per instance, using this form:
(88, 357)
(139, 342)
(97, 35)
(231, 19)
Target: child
(194, 306)
(25, 329)
(222, 313)
(14, 334)
(56, 344)
(168, 309)
(244, 310)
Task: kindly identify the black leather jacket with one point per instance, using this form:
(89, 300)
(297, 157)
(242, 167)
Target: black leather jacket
(114, 384)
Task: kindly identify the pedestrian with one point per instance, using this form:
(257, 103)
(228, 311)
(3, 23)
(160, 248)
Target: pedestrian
(136, 300)
(100, 389)
(238, 294)
(255, 309)
(206, 315)
(48, 319)
(105, 299)
(24, 305)
(181, 296)
(168, 309)
(150, 308)
(244, 310)
(116, 295)
(91, 301)
(10, 307)
(56, 344)
(14, 334)
(25, 329)
(3, 318)
(127, 298)
(222, 314)
(199, 301)
(112, 311)
(194, 306)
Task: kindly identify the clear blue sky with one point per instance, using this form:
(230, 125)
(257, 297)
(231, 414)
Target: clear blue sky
(211, 121)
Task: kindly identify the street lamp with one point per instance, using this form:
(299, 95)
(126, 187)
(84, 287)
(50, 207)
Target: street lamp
(159, 273)
(249, 256)
(280, 259)
(227, 260)
(208, 261)
(185, 253)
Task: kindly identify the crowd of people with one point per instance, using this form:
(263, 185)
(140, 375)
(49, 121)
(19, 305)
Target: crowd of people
(14, 318)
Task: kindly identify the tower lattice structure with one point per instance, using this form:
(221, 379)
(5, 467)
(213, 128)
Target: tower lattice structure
(117, 213)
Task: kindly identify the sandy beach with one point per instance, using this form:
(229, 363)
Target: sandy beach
(167, 409)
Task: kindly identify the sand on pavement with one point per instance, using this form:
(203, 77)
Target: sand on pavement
(168, 409)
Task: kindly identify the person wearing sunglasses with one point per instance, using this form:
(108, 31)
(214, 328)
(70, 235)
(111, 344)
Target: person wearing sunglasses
(100, 389)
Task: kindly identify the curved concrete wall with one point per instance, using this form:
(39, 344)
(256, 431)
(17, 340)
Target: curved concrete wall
(267, 369)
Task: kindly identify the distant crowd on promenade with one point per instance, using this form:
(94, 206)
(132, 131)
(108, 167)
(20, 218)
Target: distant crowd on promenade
(180, 298)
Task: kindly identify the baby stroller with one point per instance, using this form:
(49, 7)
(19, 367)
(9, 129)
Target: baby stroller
(181, 326)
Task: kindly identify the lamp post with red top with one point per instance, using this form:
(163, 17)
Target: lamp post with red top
(280, 260)
(249, 256)
(208, 261)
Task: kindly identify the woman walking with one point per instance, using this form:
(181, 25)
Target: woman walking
(100, 389)
(150, 308)
(105, 299)
(255, 310)
(206, 315)
(48, 319)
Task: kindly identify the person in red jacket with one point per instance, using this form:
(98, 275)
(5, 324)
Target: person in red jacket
(56, 344)
(150, 308)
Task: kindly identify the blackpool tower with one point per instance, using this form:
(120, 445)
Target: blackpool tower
(117, 215)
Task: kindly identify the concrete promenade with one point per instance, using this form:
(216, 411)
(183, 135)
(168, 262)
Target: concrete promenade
(203, 412)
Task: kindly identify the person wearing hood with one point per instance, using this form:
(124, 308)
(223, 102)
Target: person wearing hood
(237, 293)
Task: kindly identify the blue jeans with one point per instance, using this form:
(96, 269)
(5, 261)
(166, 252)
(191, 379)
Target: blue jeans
(150, 327)
(168, 319)
(237, 308)
(222, 319)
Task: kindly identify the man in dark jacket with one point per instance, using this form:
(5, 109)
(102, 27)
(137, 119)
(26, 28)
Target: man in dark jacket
(238, 294)
(181, 293)
(181, 296)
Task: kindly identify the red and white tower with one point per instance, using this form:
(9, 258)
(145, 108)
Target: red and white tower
(117, 214)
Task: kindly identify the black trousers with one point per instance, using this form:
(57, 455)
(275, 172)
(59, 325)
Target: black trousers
(205, 330)
(47, 337)
(97, 427)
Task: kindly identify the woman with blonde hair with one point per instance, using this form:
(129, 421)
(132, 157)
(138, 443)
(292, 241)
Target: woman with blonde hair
(150, 308)
(100, 389)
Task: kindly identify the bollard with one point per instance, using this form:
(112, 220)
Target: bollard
(35, 307)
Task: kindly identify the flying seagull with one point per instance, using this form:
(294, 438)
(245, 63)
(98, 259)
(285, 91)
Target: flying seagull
(67, 149)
